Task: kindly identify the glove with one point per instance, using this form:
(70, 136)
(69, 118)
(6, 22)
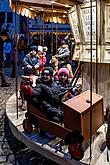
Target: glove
(29, 66)
(56, 56)
(36, 66)
(27, 90)
(69, 95)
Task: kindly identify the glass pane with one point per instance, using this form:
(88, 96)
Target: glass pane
(9, 17)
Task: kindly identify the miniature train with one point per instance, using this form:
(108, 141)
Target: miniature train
(73, 139)
(75, 130)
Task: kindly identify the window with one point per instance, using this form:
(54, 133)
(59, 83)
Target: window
(2, 17)
(9, 17)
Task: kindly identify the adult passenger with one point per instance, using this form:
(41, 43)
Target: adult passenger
(46, 95)
(3, 37)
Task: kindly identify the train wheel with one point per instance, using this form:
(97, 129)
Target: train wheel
(76, 151)
(73, 137)
(27, 126)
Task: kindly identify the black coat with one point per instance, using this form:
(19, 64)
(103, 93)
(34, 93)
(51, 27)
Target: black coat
(47, 92)
(46, 97)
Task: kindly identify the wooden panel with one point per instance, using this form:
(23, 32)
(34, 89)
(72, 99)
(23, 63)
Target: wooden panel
(79, 103)
(71, 120)
(45, 124)
(32, 109)
(53, 127)
(97, 121)
(77, 114)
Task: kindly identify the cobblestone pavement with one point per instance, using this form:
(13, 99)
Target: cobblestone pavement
(12, 151)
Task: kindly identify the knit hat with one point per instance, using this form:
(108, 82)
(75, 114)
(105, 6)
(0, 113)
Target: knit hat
(40, 48)
(48, 70)
(63, 70)
(33, 47)
(63, 42)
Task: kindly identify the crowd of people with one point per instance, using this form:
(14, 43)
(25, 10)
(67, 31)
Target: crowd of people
(12, 53)
(53, 80)
(53, 75)
(33, 59)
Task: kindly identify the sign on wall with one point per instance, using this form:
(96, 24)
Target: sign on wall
(107, 23)
(107, 56)
(74, 24)
(87, 55)
(86, 22)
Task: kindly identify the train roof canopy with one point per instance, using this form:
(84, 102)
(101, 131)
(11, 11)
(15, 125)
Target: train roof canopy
(53, 11)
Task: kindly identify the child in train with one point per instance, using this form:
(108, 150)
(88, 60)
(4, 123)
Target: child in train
(42, 58)
(31, 62)
(62, 79)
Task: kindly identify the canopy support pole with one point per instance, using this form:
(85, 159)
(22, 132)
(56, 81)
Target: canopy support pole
(97, 43)
(91, 81)
(43, 28)
(52, 33)
(16, 65)
(56, 34)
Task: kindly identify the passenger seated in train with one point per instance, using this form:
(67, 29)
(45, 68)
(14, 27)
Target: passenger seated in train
(62, 79)
(31, 62)
(42, 58)
(46, 95)
(63, 54)
(62, 58)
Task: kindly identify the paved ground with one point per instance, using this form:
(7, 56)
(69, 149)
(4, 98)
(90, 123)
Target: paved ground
(12, 151)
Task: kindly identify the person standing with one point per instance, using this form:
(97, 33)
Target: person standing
(14, 59)
(3, 37)
(7, 48)
(22, 48)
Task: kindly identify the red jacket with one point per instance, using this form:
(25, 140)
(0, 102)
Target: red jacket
(42, 62)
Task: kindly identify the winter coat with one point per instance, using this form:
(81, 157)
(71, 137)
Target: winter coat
(63, 55)
(64, 87)
(42, 62)
(47, 92)
(31, 60)
(47, 97)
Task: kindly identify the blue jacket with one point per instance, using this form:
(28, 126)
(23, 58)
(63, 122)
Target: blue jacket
(31, 60)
